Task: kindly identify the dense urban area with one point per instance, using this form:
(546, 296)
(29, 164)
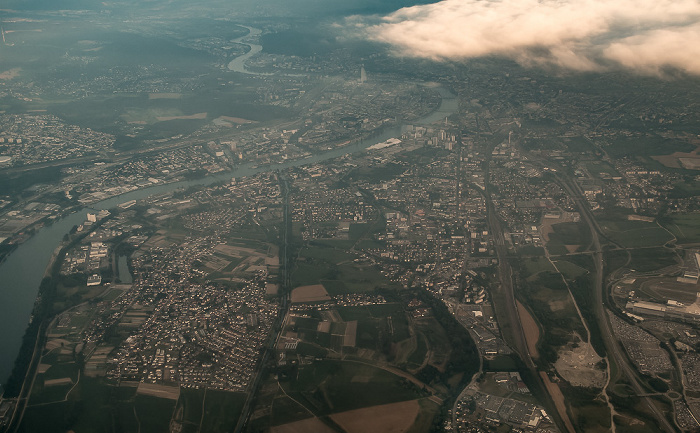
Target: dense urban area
(263, 237)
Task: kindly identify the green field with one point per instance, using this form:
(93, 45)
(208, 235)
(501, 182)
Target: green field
(232, 265)
(337, 270)
(41, 393)
(370, 311)
(153, 414)
(357, 230)
(571, 233)
(308, 349)
(584, 261)
(542, 143)
(501, 363)
(646, 145)
(686, 227)
(326, 254)
(334, 287)
(307, 273)
(438, 341)
(284, 410)
(369, 244)
(341, 244)
(188, 411)
(556, 247)
(578, 144)
(221, 411)
(570, 270)
(424, 420)
(49, 394)
(651, 259)
(337, 386)
(530, 250)
(615, 259)
(112, 295)
(689, 187)
(591, 416)
(91, 112)
(417, 357)
(50, 418)
(58, 371)
(378, 325)
(634, 234)
(211, 410)
(95, 407)
(572, 144)
(535, 265)
(597, 168)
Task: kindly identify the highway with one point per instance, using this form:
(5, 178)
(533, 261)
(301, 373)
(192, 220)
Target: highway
(612, 346)
(517, 334)
(23, 397)
(505, 306)
(279, 321)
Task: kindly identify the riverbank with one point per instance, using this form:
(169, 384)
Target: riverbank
(22, 271)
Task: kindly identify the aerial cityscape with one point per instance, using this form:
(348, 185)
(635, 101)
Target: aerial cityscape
(405, 216)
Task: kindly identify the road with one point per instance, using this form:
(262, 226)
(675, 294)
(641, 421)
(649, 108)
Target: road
(517, 334)
(279, 322)
(505, 306)
(612, 346)
(24, 394)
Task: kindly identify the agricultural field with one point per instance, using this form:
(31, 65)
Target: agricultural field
(578, 144)
(647, 145)
(404, 361)
(208, 410)
(330, 386)
(568, 237)
(570, 270)
(383, 332)
(375, 318)
(685, 227)
(601, 169)
(652, 259)
(339, 271)
(399, 417)
(438, 343)
(310, 396)
(634, 234)
(94, 407)
(55, 383)
(411, 416)
(535, 265)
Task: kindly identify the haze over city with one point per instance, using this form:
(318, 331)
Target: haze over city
(358, 216)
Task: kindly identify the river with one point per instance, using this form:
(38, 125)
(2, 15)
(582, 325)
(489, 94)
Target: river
(238, 64)
(22, 271)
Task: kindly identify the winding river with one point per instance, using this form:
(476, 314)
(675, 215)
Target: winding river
(22, 272)
(238, 64)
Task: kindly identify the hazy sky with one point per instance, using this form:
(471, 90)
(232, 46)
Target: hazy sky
(646, 36)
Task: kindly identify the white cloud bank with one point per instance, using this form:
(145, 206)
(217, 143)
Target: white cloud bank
(648, 36)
